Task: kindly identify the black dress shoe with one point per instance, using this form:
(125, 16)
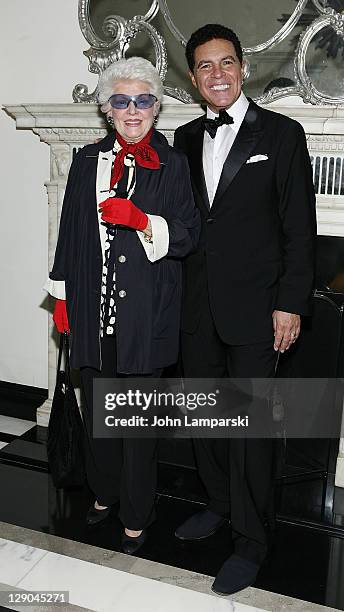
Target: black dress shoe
(130, 545)
(236, 574)
(94, 516)
(200, 526)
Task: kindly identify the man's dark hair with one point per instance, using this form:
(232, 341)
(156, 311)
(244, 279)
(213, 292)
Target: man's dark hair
(208, 32)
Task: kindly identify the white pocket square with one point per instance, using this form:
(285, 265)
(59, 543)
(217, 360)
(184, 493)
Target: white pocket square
(257, 158)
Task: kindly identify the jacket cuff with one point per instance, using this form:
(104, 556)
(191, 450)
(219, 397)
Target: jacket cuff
(55, 288)
(302, 308)
(158, 248)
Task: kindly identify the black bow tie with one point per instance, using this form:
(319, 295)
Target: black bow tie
(211, 125)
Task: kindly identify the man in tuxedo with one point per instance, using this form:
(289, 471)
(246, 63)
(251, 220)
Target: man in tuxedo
(248, 284)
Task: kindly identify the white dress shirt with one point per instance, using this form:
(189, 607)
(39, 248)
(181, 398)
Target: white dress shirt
(215, 150)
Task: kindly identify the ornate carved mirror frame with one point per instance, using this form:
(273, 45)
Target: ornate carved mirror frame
(118, 33)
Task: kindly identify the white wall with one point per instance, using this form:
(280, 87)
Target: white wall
(40, 61)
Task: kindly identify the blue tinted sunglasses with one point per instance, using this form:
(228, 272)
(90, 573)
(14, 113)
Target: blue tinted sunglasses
(142, 101)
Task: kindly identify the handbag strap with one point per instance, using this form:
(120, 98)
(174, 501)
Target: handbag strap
(64, 348)
(59, 359)
(66, 357)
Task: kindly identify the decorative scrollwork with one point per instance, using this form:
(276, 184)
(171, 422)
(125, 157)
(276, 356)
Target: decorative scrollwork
(87, 29)
(159, 47)
(170, 23)
(277, 93)
(60, 161)
(179, 94)
(308, 91)
(119, 32)
(274, 40)
(282, 33)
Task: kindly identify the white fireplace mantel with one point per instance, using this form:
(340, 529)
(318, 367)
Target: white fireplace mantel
(67, 127)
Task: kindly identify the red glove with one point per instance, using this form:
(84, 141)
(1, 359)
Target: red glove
(120, 211)
(60, 317)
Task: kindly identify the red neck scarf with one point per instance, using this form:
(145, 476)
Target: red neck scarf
(143, 153)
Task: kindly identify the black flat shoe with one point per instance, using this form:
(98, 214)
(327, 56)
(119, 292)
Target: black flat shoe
(235, 575)
(130, 545)
(200, 526)
(94, 516)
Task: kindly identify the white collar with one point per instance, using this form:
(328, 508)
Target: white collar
(237, 111)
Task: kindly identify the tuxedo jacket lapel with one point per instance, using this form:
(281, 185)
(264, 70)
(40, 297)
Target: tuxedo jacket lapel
(249, 134)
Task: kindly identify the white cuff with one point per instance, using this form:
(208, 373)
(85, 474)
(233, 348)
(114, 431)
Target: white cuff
(158, 248)
(56, 289)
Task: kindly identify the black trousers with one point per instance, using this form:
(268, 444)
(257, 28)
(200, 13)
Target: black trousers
(237, 473)
(119, 469)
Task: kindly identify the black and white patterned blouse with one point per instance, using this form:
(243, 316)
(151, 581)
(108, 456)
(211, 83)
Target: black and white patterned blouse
(123, 189)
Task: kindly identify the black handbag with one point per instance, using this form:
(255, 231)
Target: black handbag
(65, 443)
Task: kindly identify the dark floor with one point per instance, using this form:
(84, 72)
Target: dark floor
(306, 559)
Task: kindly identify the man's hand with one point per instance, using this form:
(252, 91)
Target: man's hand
(120, 211)
(287, 329)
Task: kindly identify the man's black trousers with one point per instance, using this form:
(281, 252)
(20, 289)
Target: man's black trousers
(237, 473)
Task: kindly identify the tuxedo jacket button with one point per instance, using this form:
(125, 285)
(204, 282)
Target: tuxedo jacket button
(122, 293)
(210, 220)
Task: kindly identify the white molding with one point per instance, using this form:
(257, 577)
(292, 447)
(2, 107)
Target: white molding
(43, 413)
(339, 479)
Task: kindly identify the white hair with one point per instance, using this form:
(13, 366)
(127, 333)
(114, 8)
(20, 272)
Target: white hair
(133, 69)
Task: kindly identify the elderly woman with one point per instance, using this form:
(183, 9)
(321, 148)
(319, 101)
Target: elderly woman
(128, 219)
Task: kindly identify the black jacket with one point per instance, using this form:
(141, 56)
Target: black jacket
(256, 251)
(148, 317)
